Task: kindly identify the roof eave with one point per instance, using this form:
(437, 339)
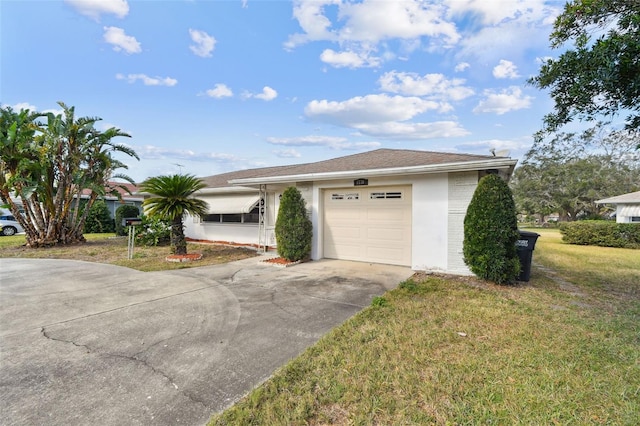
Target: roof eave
(225, 190)
(501, 163)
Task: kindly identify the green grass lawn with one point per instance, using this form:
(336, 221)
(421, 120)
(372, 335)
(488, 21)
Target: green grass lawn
(562, 349)
(105, 248)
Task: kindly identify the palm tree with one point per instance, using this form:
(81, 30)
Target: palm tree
(49, 165)
(172, 198)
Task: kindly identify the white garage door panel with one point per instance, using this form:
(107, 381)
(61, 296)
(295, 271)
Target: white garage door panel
(389, 255)
(346, 251)
(339, 215)
(387, 234)
(345, 233)
(368, 224)
(386, 216)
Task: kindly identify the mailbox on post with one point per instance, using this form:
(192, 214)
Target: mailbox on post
(131, 221)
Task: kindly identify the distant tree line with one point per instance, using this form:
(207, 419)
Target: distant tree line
(566, 173)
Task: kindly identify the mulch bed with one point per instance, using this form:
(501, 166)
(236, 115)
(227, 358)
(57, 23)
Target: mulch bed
(191, 257)
(280, 262)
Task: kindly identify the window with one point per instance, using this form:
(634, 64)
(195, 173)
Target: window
(251, 217)
(346, 196)
(386, 195)
(635, 219)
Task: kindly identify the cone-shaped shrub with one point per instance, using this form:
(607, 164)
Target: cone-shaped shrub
(125, 210)
(99, 219)
(293, 228)
(491, 232)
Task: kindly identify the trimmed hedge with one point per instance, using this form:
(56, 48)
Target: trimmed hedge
(601, 233)
(293, 228)
(491, 232)
(99, 219)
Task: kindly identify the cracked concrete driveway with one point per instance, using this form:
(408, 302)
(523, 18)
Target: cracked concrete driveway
(85, 343)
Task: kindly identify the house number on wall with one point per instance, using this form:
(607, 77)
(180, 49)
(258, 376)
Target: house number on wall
(361, 182)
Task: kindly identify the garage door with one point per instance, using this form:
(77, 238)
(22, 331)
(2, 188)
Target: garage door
(368, 224)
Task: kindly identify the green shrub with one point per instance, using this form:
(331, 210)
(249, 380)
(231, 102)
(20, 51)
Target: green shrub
(491, 232)
(601, 233)
(293, 228)
(410, 285)
(125, 210)
(98, 219)
(153, 231)
(379, 301)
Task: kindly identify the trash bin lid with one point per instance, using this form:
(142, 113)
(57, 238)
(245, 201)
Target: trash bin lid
(528, 233)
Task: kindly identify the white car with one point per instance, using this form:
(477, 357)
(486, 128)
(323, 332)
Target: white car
(10, 226)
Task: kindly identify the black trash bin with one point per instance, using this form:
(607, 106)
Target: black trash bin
(525, 244)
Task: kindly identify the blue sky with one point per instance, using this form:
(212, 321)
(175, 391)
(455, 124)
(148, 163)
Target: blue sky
(206, 87)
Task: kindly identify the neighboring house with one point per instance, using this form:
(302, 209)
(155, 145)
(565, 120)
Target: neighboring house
(113, 202)
(398, 207)
(627, 207)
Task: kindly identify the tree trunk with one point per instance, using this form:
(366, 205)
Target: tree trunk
(178, 241)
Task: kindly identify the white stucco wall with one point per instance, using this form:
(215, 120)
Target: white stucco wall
(230, 232)
(623, 214)
(461, 189)
(429, 216)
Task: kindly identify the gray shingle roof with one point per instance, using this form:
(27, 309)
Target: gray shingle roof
(631, 197)
(372, 160)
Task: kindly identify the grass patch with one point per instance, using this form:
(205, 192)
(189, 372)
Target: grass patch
(605, 272)
(446, 350)
(106, 248)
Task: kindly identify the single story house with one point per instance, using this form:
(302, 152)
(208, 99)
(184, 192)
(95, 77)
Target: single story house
(400, 207)
(113, 202)
(627, 207)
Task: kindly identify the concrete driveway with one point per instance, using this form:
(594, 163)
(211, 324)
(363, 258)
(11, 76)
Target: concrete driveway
(85, 343)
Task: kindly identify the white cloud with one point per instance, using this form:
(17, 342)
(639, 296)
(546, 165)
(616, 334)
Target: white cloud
(287, 153)
(204, 43)
(360, 27)
(370, 108)
(490, 43)
(496, 145)
(333, 142)
(461, 66)
(121, 41)
(510, 99)
(347, 59)
(505, 69)
(148, 81)
(268, 94)
(508, 28)
(435, 86)
(372, 21)
(94, 8)
(151, 152)
(543, 60)
(219, 91)
(384, 116)
(20, 106)
(316, 26)
(493, 12)
(396, 130)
